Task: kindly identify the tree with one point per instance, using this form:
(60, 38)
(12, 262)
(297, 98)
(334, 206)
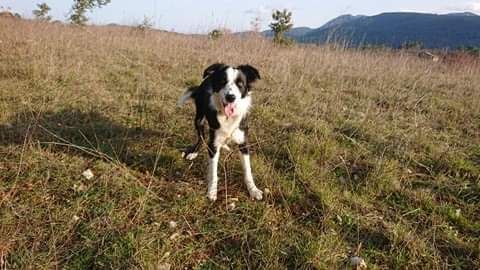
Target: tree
(80, 7)
(282, 23)
(146, 24)
(41, 13)
(215, 34)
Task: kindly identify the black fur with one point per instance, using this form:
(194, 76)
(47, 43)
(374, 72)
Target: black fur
(244, 146)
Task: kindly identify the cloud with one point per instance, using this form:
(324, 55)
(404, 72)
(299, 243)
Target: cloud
(472, 6)
(267, 10)
(261, 10)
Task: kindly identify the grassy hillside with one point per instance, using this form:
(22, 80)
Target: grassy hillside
(375, 154)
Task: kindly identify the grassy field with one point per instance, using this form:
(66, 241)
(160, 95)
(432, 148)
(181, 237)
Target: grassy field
(367, 153)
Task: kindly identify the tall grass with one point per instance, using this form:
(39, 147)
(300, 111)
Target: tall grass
(368, 153)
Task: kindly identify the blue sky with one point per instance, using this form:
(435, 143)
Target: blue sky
(201, 16)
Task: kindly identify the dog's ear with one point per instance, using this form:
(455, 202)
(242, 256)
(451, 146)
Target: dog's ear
(212, 69)
(251, 73)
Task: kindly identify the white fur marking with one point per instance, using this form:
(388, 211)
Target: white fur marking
(255, 193)
(231, 88)
(212, 177)
(225, 147)
(232, 74)
(238, 136)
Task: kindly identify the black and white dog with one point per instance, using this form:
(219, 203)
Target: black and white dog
(223, 99)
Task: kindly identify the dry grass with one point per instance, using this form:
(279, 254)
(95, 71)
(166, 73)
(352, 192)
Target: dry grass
(356, 147)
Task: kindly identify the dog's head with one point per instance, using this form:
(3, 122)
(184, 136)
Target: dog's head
(232, 84)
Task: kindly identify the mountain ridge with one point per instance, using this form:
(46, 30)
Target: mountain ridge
(395, 29)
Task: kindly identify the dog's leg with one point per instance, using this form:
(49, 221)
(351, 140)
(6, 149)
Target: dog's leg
(241, 138)
(212, 176)
(192, 152)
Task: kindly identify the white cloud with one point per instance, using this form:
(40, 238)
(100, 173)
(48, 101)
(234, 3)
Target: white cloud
(268, 9)
(262, 10)
(472, 6)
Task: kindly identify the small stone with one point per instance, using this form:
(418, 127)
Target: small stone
(75, 218)
(358, 262)
(339, 219)
(88, 174)
(172, 224)
(231, 206)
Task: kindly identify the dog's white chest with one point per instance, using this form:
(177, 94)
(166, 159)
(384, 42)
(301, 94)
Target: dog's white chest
(229, 130)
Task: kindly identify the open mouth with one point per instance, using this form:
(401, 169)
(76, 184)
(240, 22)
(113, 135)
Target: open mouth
(228, 109)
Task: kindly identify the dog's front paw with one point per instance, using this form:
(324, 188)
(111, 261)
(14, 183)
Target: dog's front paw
(212, 196)
(191, 156)
(256, 194)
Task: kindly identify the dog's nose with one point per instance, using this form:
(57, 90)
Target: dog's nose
(230, 98)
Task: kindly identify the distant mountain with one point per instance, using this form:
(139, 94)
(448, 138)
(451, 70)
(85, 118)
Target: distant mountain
(462, 14)
(395, 29)
(295, 33)
(341, 20)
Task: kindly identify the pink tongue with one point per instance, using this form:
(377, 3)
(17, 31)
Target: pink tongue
(229, 109)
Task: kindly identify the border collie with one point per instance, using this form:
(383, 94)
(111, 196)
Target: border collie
(223, 100)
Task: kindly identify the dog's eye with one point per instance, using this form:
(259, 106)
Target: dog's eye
(240, 83)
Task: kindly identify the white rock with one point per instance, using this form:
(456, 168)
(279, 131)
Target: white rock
(231, 206)
(88, 174)
(75, 218)
(172, 224)
(358, 262)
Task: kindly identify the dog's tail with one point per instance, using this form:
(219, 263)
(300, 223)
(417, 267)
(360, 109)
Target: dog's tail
(187, 96)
